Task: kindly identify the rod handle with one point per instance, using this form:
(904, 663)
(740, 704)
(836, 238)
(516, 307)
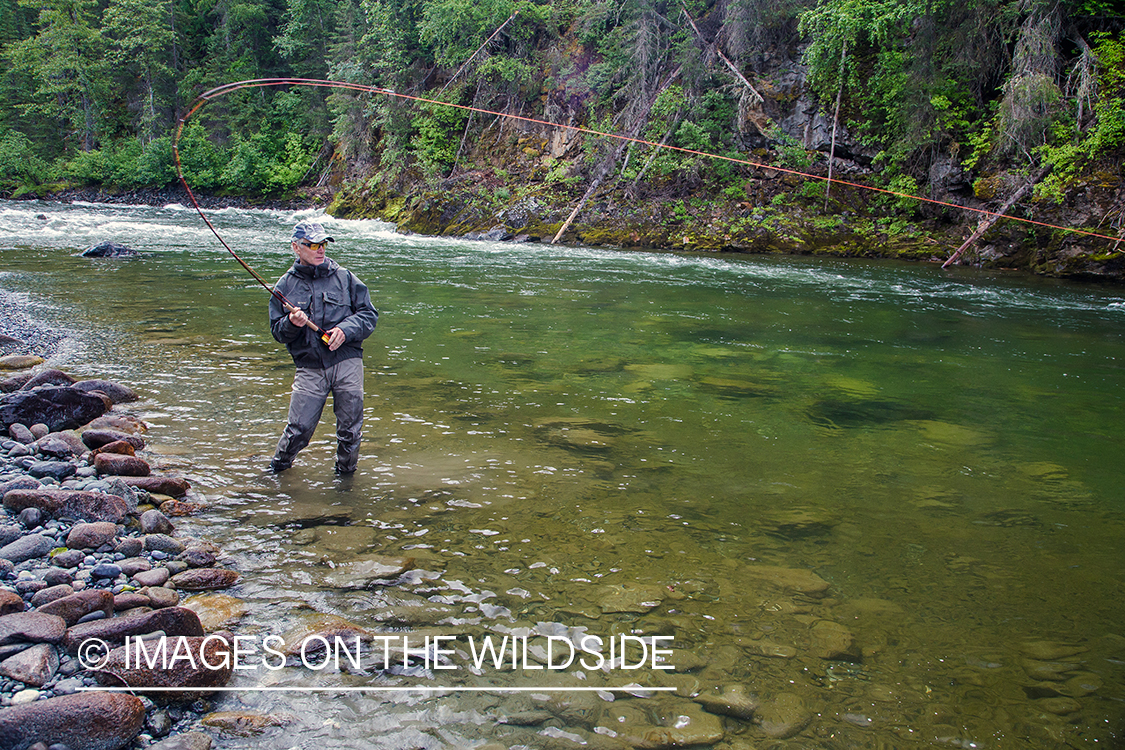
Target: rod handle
(308, 323)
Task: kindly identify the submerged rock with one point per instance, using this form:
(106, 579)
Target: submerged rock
(784, 716)
(20, 361)
(363, 572)
(109, 249)
(244, 723)
(205, 579)
(732, 700)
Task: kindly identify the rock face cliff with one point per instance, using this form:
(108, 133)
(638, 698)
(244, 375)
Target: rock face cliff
(530, 181)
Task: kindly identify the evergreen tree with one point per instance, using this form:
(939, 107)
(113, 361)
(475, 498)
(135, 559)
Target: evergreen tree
(66, 61)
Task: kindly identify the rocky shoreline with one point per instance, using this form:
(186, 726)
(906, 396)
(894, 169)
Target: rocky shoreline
(89, 557)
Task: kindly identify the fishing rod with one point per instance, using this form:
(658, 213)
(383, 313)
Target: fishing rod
(285, 303)
(218, 91)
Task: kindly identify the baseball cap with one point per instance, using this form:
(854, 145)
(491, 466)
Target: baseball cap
(310, 232)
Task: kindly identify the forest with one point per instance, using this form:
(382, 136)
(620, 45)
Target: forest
(963, 101)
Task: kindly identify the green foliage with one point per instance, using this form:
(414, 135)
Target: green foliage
(201, 161)
(1106, 133)
(19, 164)
(438, 136)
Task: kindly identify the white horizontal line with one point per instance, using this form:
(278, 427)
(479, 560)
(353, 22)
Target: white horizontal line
(399, 689)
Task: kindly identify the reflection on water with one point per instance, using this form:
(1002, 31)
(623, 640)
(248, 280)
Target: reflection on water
(879, 502)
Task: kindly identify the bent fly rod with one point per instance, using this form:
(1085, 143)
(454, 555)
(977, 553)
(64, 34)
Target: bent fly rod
(285, 303)
(218, 91)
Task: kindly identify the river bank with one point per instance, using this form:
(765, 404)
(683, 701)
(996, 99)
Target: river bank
(774, 213)
(89, 559)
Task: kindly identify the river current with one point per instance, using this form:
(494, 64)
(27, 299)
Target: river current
(681, 449)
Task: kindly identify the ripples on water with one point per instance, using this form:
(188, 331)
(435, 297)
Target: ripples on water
(578, 441)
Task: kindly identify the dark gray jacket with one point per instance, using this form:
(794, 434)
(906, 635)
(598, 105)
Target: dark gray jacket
(332, 297)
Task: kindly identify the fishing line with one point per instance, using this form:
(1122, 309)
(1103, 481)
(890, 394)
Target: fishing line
(218, 91)
(285, 303)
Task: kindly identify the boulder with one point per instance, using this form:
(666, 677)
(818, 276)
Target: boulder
(15, 382)
(205, 579)
(118, 422)
(732, 700)
(95, 438)
(79, 504)
(117, 393)
(60, 408)
(155, 577)
(180, 508)
(119, 465)
(130, 566)
(120, 447)
(58, 470)
(109, 249)
(60, 444)
(161, 596)
(798, 580)
(9, 533)
(784, 716)
(74, 607)
(179, 662)
(244, 723)
(10, 602)
(22, 483)
(21, 434)
(27, 548)
(366, 570)
(131, 600)
(217, 611)
(307, 633)
(47, 377)
(34, 627)
(51, 593)
(155, 522)
(87, 720)
(35, 666)
(172, 486)
(91, 535)
(174, 621)
(831, 640)
(198, 557)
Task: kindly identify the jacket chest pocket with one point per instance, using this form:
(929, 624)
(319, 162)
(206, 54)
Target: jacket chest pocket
(336, 307)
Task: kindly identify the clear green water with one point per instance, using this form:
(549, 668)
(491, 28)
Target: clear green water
(548, 427)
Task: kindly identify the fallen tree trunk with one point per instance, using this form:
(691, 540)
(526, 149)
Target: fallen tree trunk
(986, 223)
(608, 165)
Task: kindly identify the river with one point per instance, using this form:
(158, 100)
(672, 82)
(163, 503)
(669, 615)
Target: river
(577, 441)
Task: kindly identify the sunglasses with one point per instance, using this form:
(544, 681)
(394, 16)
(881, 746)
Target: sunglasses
(313, 245)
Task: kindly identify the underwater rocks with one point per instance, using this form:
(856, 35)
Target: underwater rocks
(85, 555)
(109, 250)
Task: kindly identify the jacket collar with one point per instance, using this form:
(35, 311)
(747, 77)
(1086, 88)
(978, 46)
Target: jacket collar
(327, 268)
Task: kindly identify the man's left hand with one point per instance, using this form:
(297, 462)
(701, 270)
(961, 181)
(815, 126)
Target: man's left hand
(336, 339)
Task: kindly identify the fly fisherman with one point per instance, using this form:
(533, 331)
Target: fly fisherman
(338, 303)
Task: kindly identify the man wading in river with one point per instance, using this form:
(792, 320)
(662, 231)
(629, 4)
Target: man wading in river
(339, 304)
